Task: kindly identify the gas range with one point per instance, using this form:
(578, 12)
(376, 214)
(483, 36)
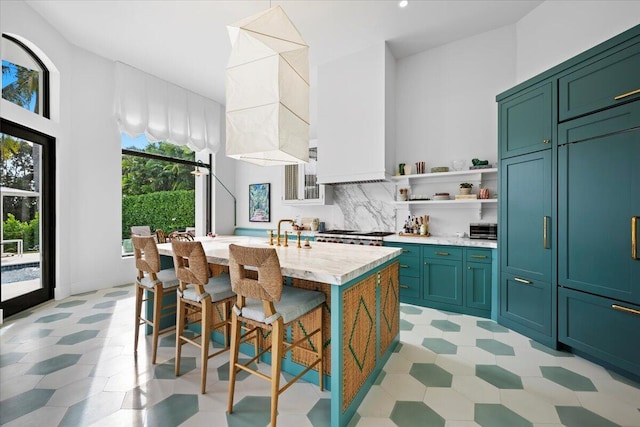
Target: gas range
(353, 237)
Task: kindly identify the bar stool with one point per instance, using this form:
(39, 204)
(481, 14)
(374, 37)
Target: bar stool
(268, 305)
(159, 282)
(199, 293)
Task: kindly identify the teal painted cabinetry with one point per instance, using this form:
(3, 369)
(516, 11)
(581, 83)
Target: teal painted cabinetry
(526, 121)
(450, 278)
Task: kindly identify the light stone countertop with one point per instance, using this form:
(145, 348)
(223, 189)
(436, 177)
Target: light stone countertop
(324, 262)
(443, 240)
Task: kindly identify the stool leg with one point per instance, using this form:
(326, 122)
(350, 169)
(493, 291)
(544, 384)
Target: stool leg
(180, 314)
(277, 337)
(139, 292)
(233, 358)
(320, 336)
(157, 309)
(207, 313)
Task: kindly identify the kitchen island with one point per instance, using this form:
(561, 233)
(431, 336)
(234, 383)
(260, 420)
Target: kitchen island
(361, 316)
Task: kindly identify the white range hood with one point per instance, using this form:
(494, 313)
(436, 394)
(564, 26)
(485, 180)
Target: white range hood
(356, 117)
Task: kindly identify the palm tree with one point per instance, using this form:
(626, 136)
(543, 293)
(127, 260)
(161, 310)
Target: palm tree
(23, 86)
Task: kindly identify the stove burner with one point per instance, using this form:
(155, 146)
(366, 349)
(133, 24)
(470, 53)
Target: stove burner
(338, 232)
(375, 233)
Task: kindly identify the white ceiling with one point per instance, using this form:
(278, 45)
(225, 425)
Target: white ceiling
(186, 41)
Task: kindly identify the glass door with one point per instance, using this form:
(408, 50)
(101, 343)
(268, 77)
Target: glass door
(28, 218)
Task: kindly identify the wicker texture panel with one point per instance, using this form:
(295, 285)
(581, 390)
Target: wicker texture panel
(389, 306)
(359, 337)
(310, 323)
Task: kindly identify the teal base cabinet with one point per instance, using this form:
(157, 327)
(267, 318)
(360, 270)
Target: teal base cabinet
(452, 278)
(601, 327)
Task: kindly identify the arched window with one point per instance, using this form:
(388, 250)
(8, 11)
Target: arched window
(25, 79)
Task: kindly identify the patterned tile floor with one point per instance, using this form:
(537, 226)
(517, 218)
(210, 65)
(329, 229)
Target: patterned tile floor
(71, 363)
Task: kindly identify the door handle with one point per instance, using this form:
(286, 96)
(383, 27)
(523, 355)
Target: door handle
(625, 309)
(624, 95)
(526, 282)
(634, 237)
(404, 287)
(404, 266)
(545, 232)
(478, 256)
(442, 253)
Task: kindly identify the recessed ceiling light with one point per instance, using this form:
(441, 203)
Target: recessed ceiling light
(403, 3)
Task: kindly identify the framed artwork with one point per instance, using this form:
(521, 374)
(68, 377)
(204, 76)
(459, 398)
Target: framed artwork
(259, 203)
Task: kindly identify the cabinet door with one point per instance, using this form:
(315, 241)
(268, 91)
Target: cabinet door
(598, 199)
(525, 216)
(442, 281)
(526, 303)
(526, 121)
(478, 285)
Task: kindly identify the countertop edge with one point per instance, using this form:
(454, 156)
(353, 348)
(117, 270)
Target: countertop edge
(443, 240)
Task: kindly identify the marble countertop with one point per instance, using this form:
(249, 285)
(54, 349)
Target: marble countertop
(443, 240)
(324, 262)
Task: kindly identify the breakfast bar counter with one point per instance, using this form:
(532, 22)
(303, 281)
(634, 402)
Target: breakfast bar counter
(361, 316)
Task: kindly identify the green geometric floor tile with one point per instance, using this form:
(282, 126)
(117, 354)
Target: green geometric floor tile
(407, 309)
(445, 325)
(354, 420)
(320, 414)
(628, 381)
(92, 409)
(495, 347)
(496, 415)
(86, 293)
(73, 303)
(415, 414)
(54, 364)
(567, 378)
(23, 403)
(170, 339)
(398, 348)
(440, 346)
(577, 416)
(499, 377)
(53, 317)
(223, 371)
(380, 378)
(106, 304)
(405, 326)
(173, 410)
(167, 370)
(94, 318)
(431, 375)
(116, 294)
(251, 411)
(10, 358)
(491, 326)
(38, 333)
(78, 337)
(551, 351)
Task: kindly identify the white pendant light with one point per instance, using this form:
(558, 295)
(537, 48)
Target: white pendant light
(267, 85)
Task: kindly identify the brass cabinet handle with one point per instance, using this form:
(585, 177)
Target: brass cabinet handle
(442, 253)
(625, 309)
(546, 141)
(545, 232)
(634, 237)
(526, 282)
(404, 286)
(478, 256)
(624, 95)
(404, 266)
(404, 251)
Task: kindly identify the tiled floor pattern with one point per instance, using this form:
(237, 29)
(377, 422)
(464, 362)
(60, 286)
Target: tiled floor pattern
(71, 363)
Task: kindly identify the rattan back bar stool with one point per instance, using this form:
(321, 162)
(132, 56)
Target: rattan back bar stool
(159, 282)
(268, 305)
(199, 293)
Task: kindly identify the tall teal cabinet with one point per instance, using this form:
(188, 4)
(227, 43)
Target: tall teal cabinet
(569, 205)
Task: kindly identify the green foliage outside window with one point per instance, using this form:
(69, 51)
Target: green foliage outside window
(29, 232)
(168, 210)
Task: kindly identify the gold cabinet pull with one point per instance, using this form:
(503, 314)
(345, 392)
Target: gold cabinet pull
(634, 237)
(624, 95)
(404, 266)
(404, 286)
(625, 309)
(442, 253)
(545, 232)
(546, 141)
(404, 251)
(526, 282)
(478, 256)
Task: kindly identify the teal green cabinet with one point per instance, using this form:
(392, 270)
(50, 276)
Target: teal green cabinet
(604, 81)
(477, 285)
(526, 305)
(604, 328)
(442, 281)
(526, 121)
(598, 199)
(409, 269)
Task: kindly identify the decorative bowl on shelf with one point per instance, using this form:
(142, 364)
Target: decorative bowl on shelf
(439, 169)
(459, 165)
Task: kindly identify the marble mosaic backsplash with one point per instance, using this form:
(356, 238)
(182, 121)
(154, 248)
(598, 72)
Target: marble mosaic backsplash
(366, 206)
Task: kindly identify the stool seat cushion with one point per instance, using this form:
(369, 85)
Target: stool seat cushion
(167, 277)
(294, 303)
(218, 287)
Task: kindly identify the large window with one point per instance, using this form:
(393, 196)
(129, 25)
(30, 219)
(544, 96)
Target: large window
(158, 187)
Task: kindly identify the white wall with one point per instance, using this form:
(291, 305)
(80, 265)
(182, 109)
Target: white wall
(559, 30)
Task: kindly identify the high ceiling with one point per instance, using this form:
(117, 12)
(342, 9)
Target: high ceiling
(186, 41)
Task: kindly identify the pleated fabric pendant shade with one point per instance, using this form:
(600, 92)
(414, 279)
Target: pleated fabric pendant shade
(267, 90)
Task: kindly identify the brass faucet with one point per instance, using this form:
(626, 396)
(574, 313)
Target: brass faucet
(278, 231)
